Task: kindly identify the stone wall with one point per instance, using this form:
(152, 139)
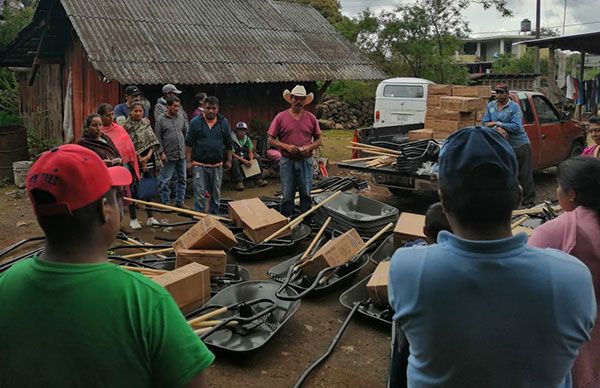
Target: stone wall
(333, 113)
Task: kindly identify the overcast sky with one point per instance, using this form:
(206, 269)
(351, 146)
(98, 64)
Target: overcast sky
(580, 15)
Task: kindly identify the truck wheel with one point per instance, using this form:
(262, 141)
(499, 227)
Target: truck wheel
(576, 149)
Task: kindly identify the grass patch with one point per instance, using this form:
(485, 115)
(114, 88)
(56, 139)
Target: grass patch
(334, 144)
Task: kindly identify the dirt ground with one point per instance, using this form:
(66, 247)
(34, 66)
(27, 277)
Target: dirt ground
(361, 357)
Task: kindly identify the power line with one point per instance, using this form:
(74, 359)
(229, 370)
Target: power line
(558, 26)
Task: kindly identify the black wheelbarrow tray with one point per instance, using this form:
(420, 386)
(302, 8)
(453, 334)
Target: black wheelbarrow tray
(358, 209)
(313, 287)
(261, 331)
(234, 273)
(246, 249)
(358, 292)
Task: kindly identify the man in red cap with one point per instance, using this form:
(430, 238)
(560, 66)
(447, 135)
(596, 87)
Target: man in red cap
(70, 318)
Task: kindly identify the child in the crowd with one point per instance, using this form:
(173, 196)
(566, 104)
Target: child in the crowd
(435, 222)
(243, 155)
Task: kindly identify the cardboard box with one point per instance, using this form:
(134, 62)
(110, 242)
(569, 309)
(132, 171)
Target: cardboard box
(433, 101)
(451, 115)
(208, 233)
(472, 91)
(408, 228)
(460, 104)
(238, 210)
(439, 90)
(441, 135)
(447, 125)
(334, 253)
(188, 285)
(215, 260)
(420, 134)
(263, 224)
(377, 286)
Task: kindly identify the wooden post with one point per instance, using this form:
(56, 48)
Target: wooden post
(579, 108)
(552, 87)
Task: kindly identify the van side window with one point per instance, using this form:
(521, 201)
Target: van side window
(526, 108)
(403, 91)
(545, 112)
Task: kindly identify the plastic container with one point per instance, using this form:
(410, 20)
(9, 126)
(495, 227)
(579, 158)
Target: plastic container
(20, 170)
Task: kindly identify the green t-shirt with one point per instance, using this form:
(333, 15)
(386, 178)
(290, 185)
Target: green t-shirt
(92, 325)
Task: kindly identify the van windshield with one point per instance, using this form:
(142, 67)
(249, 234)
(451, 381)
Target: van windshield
(404, 91)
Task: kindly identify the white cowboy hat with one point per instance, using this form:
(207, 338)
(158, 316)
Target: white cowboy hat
(299, 91)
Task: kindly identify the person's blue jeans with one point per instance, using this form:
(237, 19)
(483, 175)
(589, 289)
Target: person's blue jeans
(170, 168)
(207, 180)
(296, 175)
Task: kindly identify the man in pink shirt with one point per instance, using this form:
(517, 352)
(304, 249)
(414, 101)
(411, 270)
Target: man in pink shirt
(296, 133)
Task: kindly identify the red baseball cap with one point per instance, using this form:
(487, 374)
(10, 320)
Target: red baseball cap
(75, 176)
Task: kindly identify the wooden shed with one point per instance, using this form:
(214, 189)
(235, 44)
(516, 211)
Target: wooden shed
(76, 54)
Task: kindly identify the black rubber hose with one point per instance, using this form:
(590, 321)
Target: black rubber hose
(16, 245)
(334, 342)
(8, 264)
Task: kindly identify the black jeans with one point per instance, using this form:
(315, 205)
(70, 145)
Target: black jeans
(526, 173)
(134, 192)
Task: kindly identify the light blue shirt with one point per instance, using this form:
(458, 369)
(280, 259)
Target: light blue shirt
(511, 119)
(492, 314)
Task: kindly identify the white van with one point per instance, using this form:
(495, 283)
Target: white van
(400, 101)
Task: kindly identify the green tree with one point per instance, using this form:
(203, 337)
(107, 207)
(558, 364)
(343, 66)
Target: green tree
(16, 14)
(418, 39)
(330, 9)
(510, 64)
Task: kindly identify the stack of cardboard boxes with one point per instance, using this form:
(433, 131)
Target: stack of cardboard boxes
(450, 108)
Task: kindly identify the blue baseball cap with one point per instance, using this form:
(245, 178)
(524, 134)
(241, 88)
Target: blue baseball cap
(477, 158)
(241, 125)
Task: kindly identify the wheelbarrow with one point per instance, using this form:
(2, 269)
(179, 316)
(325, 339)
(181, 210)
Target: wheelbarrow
(246, 316)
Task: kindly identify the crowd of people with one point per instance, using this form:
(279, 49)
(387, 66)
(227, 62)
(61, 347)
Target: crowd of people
(478, 306)
(161, 157)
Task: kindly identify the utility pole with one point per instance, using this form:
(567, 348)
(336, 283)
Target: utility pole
(564, 17)
(537, 36)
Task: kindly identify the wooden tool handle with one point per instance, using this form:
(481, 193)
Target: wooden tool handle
(174, 208)
(202, 330)
(316, 239)
(374, 238)
(205, 324)
(301, 217)
(207, 316)
(519, 221)
(370, 151)
(149, 252)
(383, 149)
(145, 270)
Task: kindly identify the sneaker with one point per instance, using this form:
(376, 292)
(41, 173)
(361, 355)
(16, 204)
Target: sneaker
(181, 205)
(151, 221)
(135, 224)
(239, 186)
(262, 182)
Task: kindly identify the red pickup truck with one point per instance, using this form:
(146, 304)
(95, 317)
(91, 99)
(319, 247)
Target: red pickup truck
(554, 137)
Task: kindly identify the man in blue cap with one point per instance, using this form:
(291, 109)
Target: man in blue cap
(481, 308)
(505, 116)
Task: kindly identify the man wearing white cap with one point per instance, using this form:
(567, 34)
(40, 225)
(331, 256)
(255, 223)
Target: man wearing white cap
(296, 133)
(169, 90)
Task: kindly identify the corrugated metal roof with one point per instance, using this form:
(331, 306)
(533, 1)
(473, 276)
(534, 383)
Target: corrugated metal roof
(213, 41)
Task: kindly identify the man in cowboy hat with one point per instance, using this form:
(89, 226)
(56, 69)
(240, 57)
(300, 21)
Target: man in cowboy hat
(296, 133)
